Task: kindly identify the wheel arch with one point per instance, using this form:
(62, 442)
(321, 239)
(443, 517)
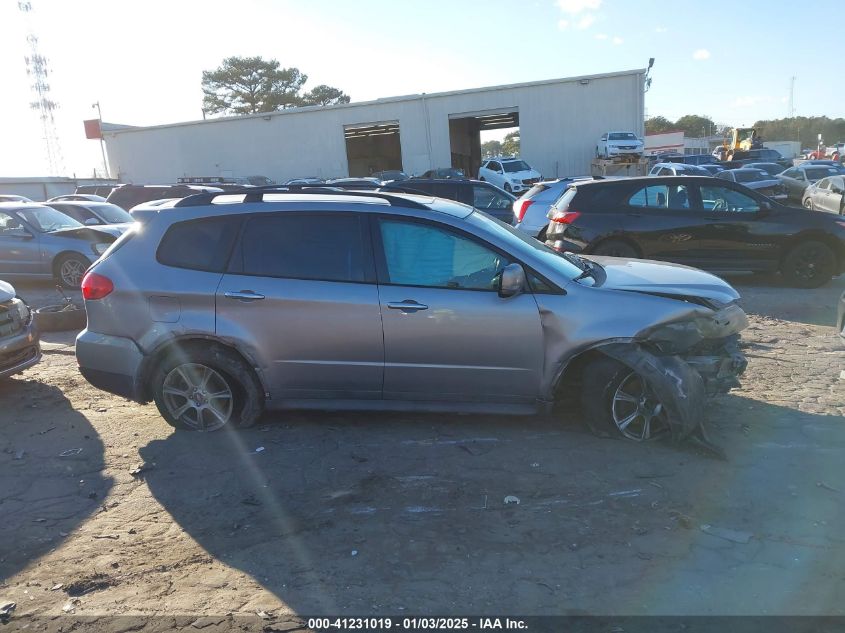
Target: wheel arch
(54, 265)
(814, 235)
(184, 344)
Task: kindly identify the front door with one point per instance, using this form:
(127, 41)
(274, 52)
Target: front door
(20, 252)
(300, 293)
(448, 336)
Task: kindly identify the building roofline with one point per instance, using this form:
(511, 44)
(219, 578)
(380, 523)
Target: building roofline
(113, 129)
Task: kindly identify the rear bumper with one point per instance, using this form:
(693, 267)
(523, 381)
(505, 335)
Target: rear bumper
(19, 351)
(110, 363)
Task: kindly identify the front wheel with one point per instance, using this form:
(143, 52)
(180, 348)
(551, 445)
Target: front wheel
(618, 402)
(206, 390)
(70, 269)
(808, 203)
(809, 265)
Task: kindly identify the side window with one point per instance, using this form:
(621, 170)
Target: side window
(724, 175)
(665, 171)
(488, 198)
(824, 184)
(319, 246)
(715, 198)
(80, 214)
(445, 190)
(10, 226)
(494, 166)
(202, 244)
(661, 197)
(418, 254)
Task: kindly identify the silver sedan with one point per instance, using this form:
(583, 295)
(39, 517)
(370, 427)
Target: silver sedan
(828, 194)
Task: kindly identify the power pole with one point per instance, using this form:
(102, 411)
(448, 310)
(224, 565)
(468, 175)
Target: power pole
(38, 70)
(792, 96)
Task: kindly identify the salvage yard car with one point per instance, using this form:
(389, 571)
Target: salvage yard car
(756, 179)
(513, 175)
(796, 179)
(699, 221)
(619, 144)
(479, 195)
(828, 194)
(19, 346)
(217, 309)
(37, 241)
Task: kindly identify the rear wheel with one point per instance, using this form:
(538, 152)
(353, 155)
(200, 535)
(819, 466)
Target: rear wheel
(70, 269)
(206, 390)
(809, 265)
(615, 248)
(618, 402)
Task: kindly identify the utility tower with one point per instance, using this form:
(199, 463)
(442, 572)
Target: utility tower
(38, 70)
(792, 96)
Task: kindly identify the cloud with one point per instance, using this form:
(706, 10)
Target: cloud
(586, 22)
(573, 7)
(563, 24)
(701, 53)
(660, 29)
(600, 36)
(617, 40)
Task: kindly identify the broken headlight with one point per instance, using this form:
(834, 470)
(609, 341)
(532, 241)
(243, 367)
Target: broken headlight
(676, 337)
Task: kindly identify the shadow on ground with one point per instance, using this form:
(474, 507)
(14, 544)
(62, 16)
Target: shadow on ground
(368, 514)
(48, 486)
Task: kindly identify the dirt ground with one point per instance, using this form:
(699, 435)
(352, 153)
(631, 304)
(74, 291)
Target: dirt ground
(373, 514)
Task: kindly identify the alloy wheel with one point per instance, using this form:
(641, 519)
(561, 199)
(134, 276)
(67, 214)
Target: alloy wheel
(198, 397)
(637, 412)
(71, 272)
(809, 263)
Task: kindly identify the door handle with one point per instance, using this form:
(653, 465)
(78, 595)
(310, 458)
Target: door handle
(243, 295)
(408, 305)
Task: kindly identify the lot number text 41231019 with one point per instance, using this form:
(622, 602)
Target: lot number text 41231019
(416, 624)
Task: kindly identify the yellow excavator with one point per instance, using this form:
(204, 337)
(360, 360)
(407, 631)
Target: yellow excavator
(739, 141)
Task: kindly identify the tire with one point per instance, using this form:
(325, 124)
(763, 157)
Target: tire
(206, 389)
(60, 318)
(808, 204)
(69, 270)
(508, 188)
(618, 403)
(809, 264)
(615, 248)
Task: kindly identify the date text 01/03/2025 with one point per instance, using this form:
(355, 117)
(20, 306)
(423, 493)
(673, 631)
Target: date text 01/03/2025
(415, 624)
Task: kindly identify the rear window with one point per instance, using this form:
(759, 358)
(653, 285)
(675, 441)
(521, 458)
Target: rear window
(203, 244)
(324, 247)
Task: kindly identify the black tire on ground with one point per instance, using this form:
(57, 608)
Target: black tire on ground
(201, 375)
(69, 270)
(541, 236)
(809, 264)
(508, 188)
(604, 379)
(615, 248)
(808, 203)
(60, 318)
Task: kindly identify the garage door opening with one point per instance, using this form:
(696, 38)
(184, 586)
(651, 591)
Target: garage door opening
(372, 147)
(467, 131)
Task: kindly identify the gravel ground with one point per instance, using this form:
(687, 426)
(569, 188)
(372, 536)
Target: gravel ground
(372, 514)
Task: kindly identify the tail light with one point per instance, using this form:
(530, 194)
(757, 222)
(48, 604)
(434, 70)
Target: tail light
(96, 286)
(567, 217)
(520, 207)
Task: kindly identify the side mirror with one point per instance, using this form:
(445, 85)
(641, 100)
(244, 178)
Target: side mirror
(511, 280)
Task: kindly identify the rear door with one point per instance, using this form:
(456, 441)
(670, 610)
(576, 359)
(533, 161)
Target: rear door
(301, 293)
(448, 336)
(491, 200)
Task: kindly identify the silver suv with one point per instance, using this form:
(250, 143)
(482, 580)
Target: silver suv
(221, 305)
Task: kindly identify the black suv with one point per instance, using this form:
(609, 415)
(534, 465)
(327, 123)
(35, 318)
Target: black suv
(481, 195)
(698, 221)
(128, 196)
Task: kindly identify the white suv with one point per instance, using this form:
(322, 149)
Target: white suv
(619, 144)
(513, 175)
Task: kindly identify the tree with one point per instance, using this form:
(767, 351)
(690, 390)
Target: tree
(658, 124)
(246, 85)
(324, 95)
(803, 129)
(510, 144)
(491, 149)
(695, 126)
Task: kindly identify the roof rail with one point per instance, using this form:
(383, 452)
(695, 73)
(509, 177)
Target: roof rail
(256, 194)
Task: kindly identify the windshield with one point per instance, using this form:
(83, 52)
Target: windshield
(817, 173)
(522, 243)
(750, 176)
(46, 219)
(622, 136)
(111, 213)
(512, 166)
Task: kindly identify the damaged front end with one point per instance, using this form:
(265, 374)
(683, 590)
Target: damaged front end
(685, 361)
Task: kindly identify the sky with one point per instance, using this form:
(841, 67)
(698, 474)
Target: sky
(143, 61)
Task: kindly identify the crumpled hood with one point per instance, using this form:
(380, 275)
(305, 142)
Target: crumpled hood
(663, 278)
(100, 232)
(6, 292)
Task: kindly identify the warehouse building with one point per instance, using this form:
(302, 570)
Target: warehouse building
(559, 120)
